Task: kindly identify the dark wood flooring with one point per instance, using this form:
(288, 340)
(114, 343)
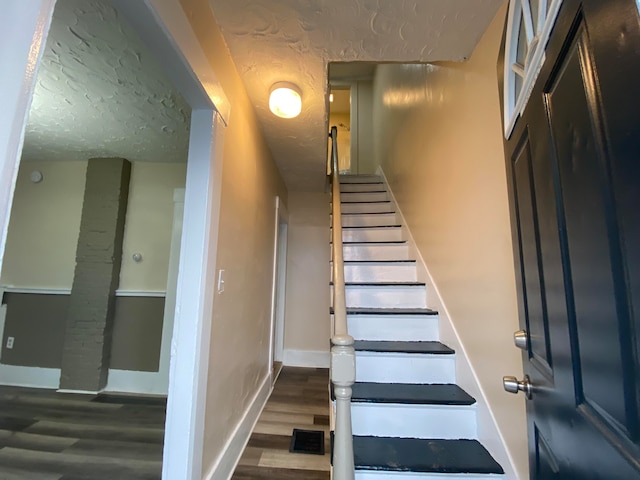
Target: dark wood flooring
(45, 435)
(300, 399)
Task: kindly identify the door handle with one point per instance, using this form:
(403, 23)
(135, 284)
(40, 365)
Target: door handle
(520, 339)
(513, 385)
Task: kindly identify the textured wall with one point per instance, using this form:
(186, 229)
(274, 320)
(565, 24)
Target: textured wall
(439, 140)
(100, 94)
(88, 333)
(307, 326)
(240, 333)
(292, 40)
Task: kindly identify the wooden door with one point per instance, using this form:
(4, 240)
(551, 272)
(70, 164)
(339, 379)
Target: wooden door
(573, 163)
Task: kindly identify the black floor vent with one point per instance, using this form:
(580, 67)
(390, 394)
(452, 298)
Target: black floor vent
(307, 441)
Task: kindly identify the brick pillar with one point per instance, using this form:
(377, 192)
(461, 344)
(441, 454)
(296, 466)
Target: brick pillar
(87, 341)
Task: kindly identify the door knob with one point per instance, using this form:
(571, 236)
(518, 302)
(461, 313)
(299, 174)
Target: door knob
(513, 385)
(520, 339)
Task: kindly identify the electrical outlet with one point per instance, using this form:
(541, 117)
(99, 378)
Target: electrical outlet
(10, 341)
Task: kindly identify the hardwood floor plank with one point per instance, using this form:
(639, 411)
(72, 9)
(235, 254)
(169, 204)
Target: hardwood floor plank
(273, 442)
(102, 432)
(296, 461)
(264, 473)
(32, 441)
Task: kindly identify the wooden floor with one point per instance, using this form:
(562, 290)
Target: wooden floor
(300, 400)
(46, 435)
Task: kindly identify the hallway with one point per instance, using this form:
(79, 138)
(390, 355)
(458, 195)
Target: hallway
(300, 399)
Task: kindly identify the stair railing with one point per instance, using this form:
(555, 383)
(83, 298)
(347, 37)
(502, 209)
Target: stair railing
(343, 357)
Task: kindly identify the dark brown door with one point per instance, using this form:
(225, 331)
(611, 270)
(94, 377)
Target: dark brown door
(573, 163)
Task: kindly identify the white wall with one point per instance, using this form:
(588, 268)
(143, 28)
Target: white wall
(45, 221)
(307, 327)
(439, 142)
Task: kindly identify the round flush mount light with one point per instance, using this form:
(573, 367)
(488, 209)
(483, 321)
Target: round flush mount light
(285, 100)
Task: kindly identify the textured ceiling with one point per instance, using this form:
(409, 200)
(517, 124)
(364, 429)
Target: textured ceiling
(99, 93)
(294, 40)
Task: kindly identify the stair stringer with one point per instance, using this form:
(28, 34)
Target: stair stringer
(488, 432)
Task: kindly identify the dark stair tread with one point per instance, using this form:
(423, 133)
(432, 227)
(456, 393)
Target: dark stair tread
(373, 242)
(422, 455)
(389, 311)
(402, 347)
(370, 201)
(368, 213)
(411, 393)
(383, 284)
(378, 261)
(371, 226)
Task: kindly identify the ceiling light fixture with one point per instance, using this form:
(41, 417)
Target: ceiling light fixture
(285, 100)
(331, 97)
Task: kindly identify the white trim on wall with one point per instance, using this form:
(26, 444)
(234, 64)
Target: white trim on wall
(306, 358)
(226, 463)
(67, 291)
(488, 432)
(34, 377)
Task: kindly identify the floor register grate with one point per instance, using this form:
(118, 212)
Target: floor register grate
(307, 441)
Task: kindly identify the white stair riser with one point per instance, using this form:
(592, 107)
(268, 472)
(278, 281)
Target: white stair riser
(405, 368)
(350, 197)
(369, 220)
(414, 421)
(390, 234)
(376, 252)
(400, 272)
(382, 475)
(385, 297)
(361, 187)
(399, 328)
(366, 207)
(351, 179)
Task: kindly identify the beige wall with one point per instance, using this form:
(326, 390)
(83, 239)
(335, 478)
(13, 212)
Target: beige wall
(362, 151)
(148, 225)
(240, 334)
(307, 327)
(44, 226)
(45, 221)
(340, 120)
(439, 142)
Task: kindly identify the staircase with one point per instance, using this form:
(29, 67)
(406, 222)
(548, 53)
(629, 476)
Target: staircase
(409, 418)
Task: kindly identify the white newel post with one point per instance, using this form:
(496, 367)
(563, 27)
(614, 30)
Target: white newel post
(343, 375)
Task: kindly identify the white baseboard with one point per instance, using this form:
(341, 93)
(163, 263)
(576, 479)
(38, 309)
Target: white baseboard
(34, 377)
(488, 432)
(226, 463)
(151, 383)
(306, 358)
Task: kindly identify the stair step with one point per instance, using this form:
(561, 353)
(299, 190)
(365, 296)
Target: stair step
(366, 207)
(356, 220)
(356, 178)
(389, 233)
(393, 454)
(425, 347)
(391, 311)
(398, 271)
(386, 295)
(359, 197)
(375, 250)
(361, 187)
(411, 393)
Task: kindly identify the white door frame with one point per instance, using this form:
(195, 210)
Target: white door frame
(163, 26)
(276, 347)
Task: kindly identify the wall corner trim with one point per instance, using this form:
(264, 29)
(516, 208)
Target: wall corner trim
(225, 464)
(306, 358)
